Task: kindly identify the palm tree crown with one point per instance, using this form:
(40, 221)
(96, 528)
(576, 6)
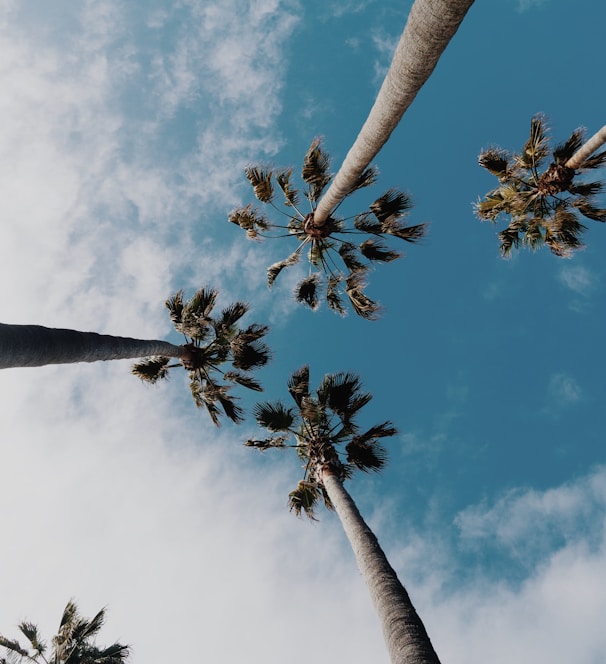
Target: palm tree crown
(74, 643)
(212, 341)
(321, 424)
(330, 246)
(543, 203)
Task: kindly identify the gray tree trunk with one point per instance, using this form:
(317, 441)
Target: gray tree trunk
(586, 150)
(431, 25)
(35, 346)
(405, 635)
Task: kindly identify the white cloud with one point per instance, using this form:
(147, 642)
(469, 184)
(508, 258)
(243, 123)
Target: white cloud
(578, 279)
(563, 391)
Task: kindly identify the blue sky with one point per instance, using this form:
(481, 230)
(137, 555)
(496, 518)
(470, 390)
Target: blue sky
(125, 130)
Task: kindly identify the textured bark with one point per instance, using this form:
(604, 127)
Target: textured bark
(586, 150)
(405, 635)
(35, 346)
(430, 27)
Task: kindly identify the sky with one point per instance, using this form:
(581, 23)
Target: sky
(124, 129)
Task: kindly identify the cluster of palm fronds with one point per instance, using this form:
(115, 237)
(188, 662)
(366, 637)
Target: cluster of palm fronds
(543, 204)
(73, 644)
(330, 247)
(319, 423)
(212, 342)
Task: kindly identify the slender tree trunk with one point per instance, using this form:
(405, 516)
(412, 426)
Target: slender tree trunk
(35, 346)
(431, 25)
(405, 635)
(586, 150)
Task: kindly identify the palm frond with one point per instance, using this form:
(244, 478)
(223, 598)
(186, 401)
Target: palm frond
(384, 430)
(590, 211)
(495, 161)
(30, 631)
(596, 160)
(304, 498)
(564, 151)
(174, 304)
(536, 148)
(151, 369)
(366, 223)
(306, 291)
(411, 234)
(231, 315)
(365, 455)
(201, 303)
(362, 305)
(260, 179)
(274, 270)
(585, 188)
(333, 297)
(243, 379)
(349, 255)
(249, 220)
(14, 646)
(377, 251)
(367, 178)
(250, 355)
(298, 384)
(267, 443)
(393, 203)
(341, 392)
(291, 195)
(315, 170)
(274, 416)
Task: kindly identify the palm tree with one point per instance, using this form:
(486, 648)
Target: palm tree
(210, 342)
(430, 27)
(320, 424)
(73, 644)
(330, 247)
(544, 204)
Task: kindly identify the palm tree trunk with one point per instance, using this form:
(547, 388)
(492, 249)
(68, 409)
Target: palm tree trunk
(35, 346)
(586, 150)
(405, 635)
(431, 25)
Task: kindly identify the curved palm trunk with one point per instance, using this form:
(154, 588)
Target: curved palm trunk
(35, 346)
(586, 150)
(405, 635)
(431, 25)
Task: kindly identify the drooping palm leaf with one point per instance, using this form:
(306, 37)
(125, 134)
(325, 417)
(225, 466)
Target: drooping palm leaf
(393, 203)
(267, 443)
(315, 170)
(250, 221)
(363, 305)
(307, 291)
(298, 384)
(377, 251)
(291, 195)
(274, 270)
(365, 456)
(304, 498)
(333, 297)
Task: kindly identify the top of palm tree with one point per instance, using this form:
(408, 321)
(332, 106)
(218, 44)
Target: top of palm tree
(324, 431)
(74, 643)
(212, 341)
(332, 248)
(541, 192)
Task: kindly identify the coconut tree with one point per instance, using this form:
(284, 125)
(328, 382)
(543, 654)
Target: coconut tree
(542, 192)
(210, 343)
(323, 430)
(341, 251)
(74, 643)
(430, 26)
